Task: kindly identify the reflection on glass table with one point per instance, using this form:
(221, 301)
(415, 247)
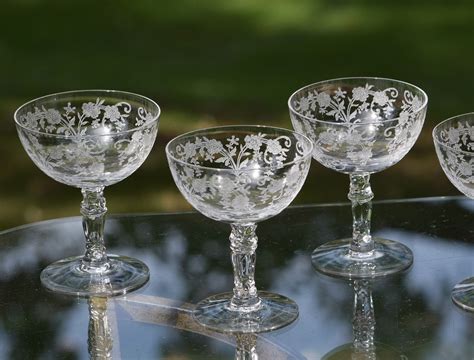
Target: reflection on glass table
(100, 338)
(363, 346)
(188, 259)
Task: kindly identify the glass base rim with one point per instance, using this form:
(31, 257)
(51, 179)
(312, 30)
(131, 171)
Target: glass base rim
(124, 275)
(275, 311)
(463, 294)
(390, 257)
(347, 351)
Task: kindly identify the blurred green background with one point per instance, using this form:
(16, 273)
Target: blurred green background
(213, 62)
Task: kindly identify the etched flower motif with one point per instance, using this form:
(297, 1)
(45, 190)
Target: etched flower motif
(91, 110)
(416, 103)
(323, 99)
(56, 153)
(403, 117)
(275, 186)
(380, 98)
(453, 135)
(53, 116)
(471, 133)
(294, 175)
(149, 117)
(451, 159)
(226, 187)
(360, 94)
(240, 203)
(30, 120)
(69, 108)
(340, 93)
(188, 172)
(199, 186)
(232, 141)
(96, 168)
(326, 137)
(355, 138)
(253, 142)
(361, 156)
(112, 113)
(137, 136)
(189, 150)
(274, 147)
(465, 168)
(213, 146)
(304, 104)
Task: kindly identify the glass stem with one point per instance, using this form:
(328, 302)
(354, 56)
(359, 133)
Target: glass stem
(100, 340)
(243, 243)
(93, 212)
(360, 194)
(363, 320)
(246, 346)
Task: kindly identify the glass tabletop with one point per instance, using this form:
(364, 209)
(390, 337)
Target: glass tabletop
(405, 316)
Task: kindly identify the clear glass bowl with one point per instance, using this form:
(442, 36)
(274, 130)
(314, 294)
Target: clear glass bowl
(241, 175)
(454, 144)
(90, 139)
(360, 126)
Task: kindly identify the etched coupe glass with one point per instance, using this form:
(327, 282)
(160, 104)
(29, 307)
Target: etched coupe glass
(454, 144)
(241, 175)
(90, 139)
(360, 126)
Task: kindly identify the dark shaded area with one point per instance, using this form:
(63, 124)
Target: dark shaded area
(212, 62)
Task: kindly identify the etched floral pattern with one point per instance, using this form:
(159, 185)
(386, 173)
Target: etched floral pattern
(240, 178)
(90, 143)
(352, 128)
(455, 149)
(70, 122)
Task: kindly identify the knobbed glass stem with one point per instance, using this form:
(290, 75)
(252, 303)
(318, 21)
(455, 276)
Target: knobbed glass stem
(360, 194)
(93, 212)
(363, 321)
(243, 243)
(246, 347)
(100, 339)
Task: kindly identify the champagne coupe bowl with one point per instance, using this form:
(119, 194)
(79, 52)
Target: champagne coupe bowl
(241, 175)
(90, 139)
(360, 126)
(454, 144)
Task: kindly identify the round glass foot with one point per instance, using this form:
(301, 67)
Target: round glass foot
(123, 275)
(274, 311)
(463, 294)
(389, 257)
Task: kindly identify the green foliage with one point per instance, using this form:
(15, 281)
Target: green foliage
(212, 62)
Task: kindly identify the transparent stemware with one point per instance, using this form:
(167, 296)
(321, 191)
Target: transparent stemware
(360, 126)
(454, 144)
(241, 175)
(90, 139)
(363, 346)
(100, 339)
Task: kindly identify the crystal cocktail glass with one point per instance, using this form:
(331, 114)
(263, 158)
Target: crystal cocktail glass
(90, 139)
(454, 144)
(360, 126)
(241, 175)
